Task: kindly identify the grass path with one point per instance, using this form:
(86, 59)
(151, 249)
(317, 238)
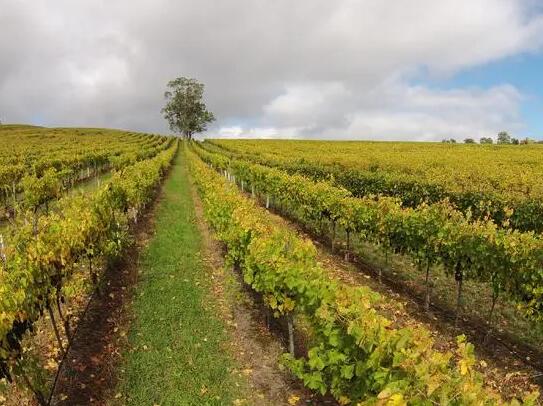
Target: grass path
(177, 344)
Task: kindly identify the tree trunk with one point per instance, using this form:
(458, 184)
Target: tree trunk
(495, 296)
(64, 320)
(55, 328)
(37, 393)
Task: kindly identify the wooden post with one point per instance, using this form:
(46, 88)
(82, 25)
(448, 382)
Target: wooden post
(347, 257)
(14, 189)
(290, 326)
(333, 235)
(427, 298)
(459, 277)
(2, 251)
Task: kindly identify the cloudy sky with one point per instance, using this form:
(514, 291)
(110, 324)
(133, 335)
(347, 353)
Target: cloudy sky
(347, 69)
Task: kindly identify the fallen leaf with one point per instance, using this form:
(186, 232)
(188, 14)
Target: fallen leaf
(293, 400)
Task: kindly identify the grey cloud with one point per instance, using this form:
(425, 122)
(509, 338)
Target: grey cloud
(305, 68)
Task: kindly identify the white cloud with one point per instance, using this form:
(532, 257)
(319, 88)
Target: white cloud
(257, 132)
(421, 113)
(299, 99)
(230, 132)
(304, 68)
(305, 106)
(391, 111)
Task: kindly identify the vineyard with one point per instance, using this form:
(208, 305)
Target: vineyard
(430, 233)
(38, 164)
(497, 182)
(372, 266)
(56, 239)
(446, 244)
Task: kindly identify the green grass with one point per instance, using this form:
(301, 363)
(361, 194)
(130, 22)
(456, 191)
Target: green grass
(178, 354)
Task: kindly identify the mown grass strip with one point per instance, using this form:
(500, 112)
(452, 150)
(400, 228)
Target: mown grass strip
(177, 354)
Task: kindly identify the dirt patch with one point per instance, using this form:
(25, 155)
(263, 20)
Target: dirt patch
(256, 349)
(88, 374)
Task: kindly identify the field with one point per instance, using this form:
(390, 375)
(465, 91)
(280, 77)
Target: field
(136, 269)
(497, 181)
(57, 237)
(482, 277)
(506, 168)
(37, 165)
(428, 202)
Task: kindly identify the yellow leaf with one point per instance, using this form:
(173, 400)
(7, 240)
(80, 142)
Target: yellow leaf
(293, 400)
(344, 400)
(397, 400)
(463, 368)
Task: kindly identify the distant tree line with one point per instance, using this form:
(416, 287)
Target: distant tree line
(503, 139)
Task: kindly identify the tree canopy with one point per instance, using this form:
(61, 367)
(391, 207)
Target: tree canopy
(504, 137)
(486, 140)
(185, 109)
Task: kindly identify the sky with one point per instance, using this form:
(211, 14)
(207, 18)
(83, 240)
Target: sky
(419, 70)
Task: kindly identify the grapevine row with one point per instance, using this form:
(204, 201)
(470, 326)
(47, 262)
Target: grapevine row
(509, 261)
(45, 180)
(42, 255)
(522, 210)
(355, 353)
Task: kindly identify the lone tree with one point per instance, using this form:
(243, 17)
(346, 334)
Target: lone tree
(469, 141)
(185, 110)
